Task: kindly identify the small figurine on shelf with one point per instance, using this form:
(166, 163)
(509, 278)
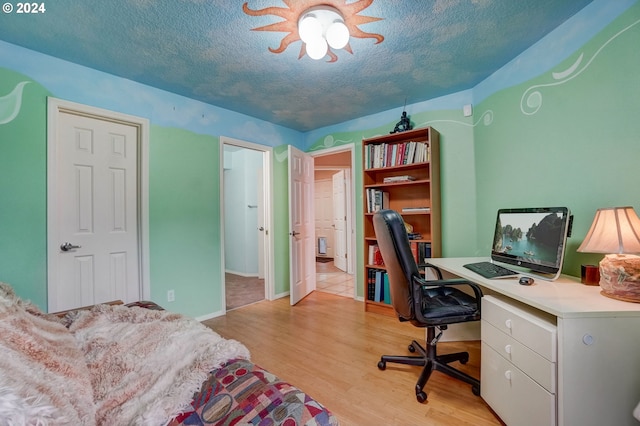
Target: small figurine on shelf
(403, 125)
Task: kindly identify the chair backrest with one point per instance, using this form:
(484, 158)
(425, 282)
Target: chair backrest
(393, 242)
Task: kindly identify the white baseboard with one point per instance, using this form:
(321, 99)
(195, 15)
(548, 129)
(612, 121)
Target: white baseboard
(281, 295)
(209, 316)
(242, 274)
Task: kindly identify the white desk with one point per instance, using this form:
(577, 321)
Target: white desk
(598, 383)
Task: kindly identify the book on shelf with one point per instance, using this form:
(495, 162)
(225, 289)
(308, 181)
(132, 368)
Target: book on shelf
(378, 286)
(375, 257)
(421, 251)
(377, 200)
(371, 284)
(397, 154)
(393, 179)
(386, 292)
(416, 209)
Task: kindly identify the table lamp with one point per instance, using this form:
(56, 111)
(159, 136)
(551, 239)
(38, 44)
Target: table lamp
(616, 232)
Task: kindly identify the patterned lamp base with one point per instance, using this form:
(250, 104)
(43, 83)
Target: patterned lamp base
(620, 277)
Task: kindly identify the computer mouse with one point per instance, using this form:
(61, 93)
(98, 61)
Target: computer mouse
(525, 281)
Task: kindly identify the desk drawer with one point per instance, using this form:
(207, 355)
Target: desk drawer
(514, 396)
(531, 363)
(534, 331)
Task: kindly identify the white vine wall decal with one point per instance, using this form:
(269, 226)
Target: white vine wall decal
(531, 100)
(486, 118)
(330, 142)
(10, 104)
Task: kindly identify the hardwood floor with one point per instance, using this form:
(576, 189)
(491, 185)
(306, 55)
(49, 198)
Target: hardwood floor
(329, 347)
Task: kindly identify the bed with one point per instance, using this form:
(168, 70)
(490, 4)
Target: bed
(135, 364)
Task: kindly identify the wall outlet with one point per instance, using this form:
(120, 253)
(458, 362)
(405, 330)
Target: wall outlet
(171, 296)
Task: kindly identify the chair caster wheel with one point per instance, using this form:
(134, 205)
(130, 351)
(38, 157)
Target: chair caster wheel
(382, 365)
(421, 396)
(411, 348)
(475, 390)
(465, 359)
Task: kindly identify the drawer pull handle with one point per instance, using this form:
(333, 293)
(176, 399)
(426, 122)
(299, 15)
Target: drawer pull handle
(507, 349)
(507, 324)
(507, 375)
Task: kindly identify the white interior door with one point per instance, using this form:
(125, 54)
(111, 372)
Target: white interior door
(323, 211)
(301, 225)
(340, 221)
(95, 240)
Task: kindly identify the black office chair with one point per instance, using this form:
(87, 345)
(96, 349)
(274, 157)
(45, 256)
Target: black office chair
(429, 304)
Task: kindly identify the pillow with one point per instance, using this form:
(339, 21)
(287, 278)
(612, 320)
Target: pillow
(44, 374)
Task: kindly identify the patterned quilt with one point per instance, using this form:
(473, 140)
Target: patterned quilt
(242, 393)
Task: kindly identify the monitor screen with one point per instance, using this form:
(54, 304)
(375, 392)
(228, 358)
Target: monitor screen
(533, 238)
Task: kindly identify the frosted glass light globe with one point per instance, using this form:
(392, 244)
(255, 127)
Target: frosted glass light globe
(309, 28)
(317, 48)
(337, 35)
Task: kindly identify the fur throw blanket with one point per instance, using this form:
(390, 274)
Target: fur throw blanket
(113, 365)
(43, 377)
(145, 365)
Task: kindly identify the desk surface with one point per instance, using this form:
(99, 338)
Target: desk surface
(565, 297)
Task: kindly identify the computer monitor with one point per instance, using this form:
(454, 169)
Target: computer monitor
(532, 238)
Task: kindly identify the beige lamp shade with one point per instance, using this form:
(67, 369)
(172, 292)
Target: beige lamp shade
(614, 230)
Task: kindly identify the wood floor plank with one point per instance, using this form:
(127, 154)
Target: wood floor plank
(329, 347)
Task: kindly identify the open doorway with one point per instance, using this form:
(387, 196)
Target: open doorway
(245, 192)
(334, 216)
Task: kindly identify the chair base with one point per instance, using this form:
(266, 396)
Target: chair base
(431, 362)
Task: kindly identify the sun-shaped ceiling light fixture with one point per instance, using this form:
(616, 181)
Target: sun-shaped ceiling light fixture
(321, 25)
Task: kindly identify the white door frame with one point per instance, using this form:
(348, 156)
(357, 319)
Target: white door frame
(56, 106)
(267, 166)
(344, 181)
(350, 195)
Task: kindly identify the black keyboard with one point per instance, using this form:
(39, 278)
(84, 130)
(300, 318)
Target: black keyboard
(490, 270)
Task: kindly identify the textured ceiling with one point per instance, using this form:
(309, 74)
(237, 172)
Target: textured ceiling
(212, 52)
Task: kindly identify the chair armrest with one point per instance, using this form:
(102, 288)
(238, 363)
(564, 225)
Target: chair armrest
(418, 280)
(432, 267)
(457, 281)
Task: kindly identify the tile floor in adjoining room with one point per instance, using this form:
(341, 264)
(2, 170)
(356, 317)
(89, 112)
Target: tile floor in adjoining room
(330, 279)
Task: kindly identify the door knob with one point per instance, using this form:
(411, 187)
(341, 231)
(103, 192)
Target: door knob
(294, 233)
(68, 246)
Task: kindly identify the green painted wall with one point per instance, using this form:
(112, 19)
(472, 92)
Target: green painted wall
(572, 139)
(23, 192)
(184, 220)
